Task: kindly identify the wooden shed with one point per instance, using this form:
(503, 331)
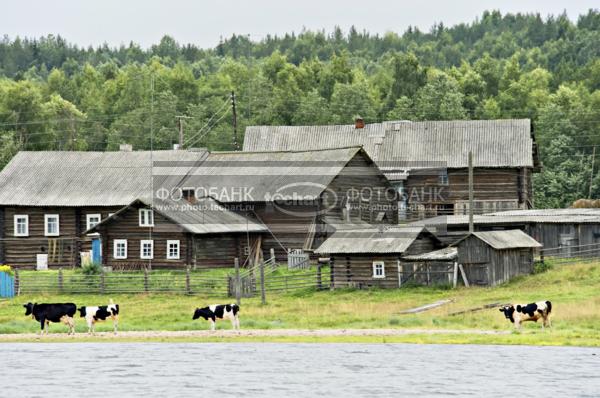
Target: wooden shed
(372, 256)
(493, 257)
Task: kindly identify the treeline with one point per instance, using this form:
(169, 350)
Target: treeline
(57, 96)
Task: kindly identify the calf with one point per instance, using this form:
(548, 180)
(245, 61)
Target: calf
(46, 313)
(101, 313)
(221, 311)
(528, 312)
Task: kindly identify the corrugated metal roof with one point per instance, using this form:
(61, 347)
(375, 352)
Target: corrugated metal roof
(269, 176)
(60, 178)
(447, 253)
(510, 239)
(206, 216)
(403, 145)
(549, 212)
(370, 240)
(514, 218)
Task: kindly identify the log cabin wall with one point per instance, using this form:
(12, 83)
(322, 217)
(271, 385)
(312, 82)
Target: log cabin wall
(356, 270)
(495, 189)
(219, 251)
(126, 226)
(62, 250)
(368, 191)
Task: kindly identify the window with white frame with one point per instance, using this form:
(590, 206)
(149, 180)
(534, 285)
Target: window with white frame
(21, 225)
(147, 249)
(120, 249)
(51, 225)
(173, 250)
(378, 269)
(92, 219)
(146, 218)
(443, 177)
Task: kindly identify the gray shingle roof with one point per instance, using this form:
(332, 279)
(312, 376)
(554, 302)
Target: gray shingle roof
(445, 254)
(56, 178)
(267, 176)
(510, 239)
(398, 145)
(370, 240)
(206, 216)
(516, 217)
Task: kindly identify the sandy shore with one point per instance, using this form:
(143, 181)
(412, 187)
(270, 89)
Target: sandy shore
(249, 333)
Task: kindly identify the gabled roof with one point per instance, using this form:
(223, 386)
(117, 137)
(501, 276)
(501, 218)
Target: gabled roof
(405, 145)
(509, 239)
(269, 176)
(539, 216)
(371, 240)
(206, 216)
(61, 178)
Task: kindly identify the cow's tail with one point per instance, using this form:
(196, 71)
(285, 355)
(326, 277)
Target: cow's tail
(549, 306)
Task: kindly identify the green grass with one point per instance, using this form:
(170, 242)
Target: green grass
(573, 289)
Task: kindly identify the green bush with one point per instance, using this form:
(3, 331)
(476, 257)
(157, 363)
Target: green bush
(91, 268)
(540, 267)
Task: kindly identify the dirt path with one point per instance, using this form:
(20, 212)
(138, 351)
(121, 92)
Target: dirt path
(250, 333)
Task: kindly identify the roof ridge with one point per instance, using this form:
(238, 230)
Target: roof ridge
(287, 150)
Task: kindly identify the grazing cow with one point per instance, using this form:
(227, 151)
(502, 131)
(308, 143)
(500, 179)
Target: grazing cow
(528, 312)
(101, 313)
(220, 311)
(46, 313)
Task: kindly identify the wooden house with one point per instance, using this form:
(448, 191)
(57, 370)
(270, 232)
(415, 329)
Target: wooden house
(372, 257)
(493, 257)
(297, 194)
(562, 232)
(427, 161)
(48, 199)
(200, 233)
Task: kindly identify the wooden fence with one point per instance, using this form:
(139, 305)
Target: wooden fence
(183, 282)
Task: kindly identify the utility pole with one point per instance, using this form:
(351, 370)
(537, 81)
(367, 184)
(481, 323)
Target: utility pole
(236, 146)
(471, 229)
(592, 173)
(180, 119)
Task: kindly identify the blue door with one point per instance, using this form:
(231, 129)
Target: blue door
(96, 251)
(7, 285)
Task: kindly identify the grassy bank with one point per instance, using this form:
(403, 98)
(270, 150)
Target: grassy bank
(573, 289)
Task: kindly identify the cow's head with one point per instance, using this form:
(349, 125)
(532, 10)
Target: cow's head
(508, 311)
(203, 312)
(82, 311)
(28, 308)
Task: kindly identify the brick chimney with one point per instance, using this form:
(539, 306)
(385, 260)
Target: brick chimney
(359, 123)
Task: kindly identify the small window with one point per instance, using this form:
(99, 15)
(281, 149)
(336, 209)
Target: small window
(378, 269)
(173, 250)
(120, 249)
(51, 225)
(21, 225)
(443, 177)
(92, 220)
(246, 250)
(147, 249)
(146, 218)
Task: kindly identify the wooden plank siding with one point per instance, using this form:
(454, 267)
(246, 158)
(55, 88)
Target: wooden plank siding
(489, 267)
(495, 189)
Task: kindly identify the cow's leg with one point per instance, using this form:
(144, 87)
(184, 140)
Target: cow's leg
(232, 319)
(42, 326)
(71, 324)
(89, 322)
(115, 324)
(213, 325)
(237, 322)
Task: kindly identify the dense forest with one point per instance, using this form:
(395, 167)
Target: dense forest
(57, 96)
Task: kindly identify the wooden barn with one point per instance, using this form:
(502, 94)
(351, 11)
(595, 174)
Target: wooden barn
(371, 257)
(493, 257)
(48, 199)
(167, 234)
(427, 162)
(297, 194)
(562, 232)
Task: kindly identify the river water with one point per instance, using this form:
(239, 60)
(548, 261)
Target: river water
(299, 370)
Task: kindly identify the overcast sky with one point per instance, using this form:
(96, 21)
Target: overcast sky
(202, 22)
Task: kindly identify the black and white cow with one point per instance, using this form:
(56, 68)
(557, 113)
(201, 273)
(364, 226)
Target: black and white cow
(46, 313)
(219, 311)
(518, 313)
(100, 313)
